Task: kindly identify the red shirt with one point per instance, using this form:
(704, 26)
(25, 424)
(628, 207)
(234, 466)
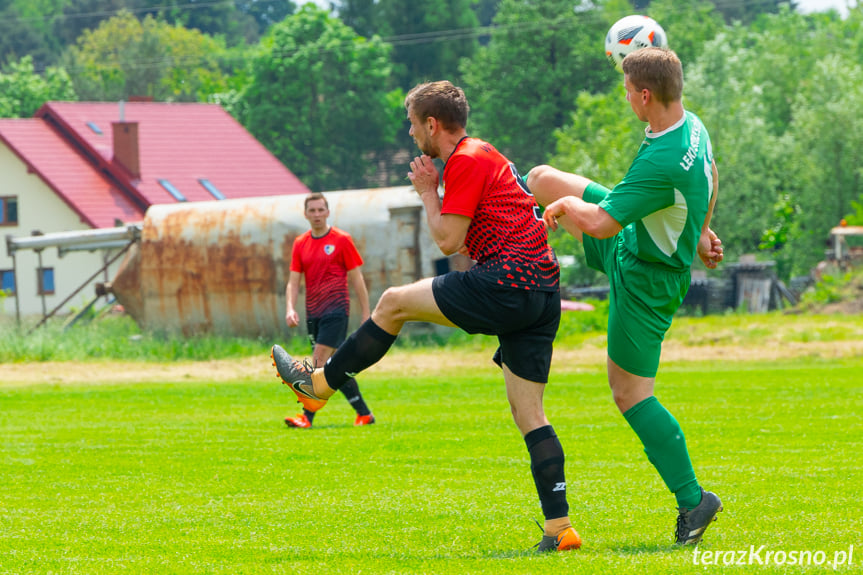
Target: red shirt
(506, 236)
(325, 261)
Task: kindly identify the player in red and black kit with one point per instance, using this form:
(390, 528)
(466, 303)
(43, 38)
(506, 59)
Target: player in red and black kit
(512, 292)
(329, 260)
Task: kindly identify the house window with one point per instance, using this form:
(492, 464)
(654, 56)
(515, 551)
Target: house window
(96, 129)
(45, 278)
(208, 185)
(172, 190)
(9, 211)
(7, 281)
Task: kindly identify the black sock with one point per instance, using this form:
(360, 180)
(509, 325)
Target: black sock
(363, 348)
(354, 397)
(310, 415)
(546, 465)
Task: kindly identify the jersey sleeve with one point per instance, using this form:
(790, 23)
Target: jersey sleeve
(350, 255)
(645, 189)
(296, 259)
(464, 185)
(595, 193)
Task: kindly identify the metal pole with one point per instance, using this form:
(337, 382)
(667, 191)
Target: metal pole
(17, 299)
(82, 286)
(40, 283)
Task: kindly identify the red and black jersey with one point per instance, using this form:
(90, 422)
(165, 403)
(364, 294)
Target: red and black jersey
(325, 261)
(506, 236)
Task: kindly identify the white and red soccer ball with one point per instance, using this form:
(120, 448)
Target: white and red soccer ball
(632, 33)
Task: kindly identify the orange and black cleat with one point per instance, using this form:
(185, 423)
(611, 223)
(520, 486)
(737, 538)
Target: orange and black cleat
(297, 376)
(299, 420)
(567, 540)
(364, 419)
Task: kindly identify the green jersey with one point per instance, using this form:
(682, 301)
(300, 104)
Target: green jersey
(664, 198)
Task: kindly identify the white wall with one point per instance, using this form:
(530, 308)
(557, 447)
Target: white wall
(39, 208)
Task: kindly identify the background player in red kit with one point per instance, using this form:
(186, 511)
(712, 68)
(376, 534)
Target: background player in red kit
(512, 292)
(328, 259)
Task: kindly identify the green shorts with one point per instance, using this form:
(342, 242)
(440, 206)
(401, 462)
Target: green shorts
(642, 302)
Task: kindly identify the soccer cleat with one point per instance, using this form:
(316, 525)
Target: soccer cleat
(567, 540)
(691, 523)
(297, 376)
(364, 419)
(299, 420)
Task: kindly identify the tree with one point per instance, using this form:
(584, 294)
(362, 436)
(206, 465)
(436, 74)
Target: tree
(429, 38)
(780, 99)
(125, 57)
(689, 24)
(524, 84)
(318, 100)
(829, 158)
(23, 91)
(20, 36)
(602, 138)
(266, 12)
(361, 15)
(223, 19)
(76, 16)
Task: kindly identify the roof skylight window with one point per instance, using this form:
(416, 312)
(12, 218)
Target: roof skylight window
(208, 185)
(172, 190)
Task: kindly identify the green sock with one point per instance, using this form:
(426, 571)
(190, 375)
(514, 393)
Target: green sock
(666, 449)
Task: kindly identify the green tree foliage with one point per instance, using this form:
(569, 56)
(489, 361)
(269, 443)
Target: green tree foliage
(689, 25)
(485, 11)
(745, 11)
(361, 15)
(602, 139)
(781, 99)
(318, 100)
(223, 19)
(524, 84)
(829, 159)
(22, 33)
(76, 16)
(429, 38)
(266, 12)
(127, 57)
(23, 91)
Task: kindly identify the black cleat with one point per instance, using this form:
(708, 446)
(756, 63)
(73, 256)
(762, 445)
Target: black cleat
(691, 523)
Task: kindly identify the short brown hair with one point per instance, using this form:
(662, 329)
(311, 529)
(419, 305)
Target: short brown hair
(658, 70)
(312, 197)
(440, 100)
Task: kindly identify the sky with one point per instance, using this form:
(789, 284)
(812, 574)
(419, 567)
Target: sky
(822, 5)
(804, 5)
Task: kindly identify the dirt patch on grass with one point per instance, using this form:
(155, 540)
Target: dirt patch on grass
(399, 362)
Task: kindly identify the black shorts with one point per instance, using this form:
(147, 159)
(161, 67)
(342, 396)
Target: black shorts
(524, 321)
(329, 330)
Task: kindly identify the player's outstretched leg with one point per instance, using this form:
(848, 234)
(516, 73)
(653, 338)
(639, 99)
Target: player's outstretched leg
(691, 523)
(297, 376)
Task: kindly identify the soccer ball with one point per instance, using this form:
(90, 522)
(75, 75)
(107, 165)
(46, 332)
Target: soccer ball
(632, 33)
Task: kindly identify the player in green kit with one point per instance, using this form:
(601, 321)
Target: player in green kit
(644, 235)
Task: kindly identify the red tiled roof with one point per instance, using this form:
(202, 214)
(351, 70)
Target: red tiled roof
(77, 182)
(182, 142)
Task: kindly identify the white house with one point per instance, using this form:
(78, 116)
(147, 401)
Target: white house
(85, 165)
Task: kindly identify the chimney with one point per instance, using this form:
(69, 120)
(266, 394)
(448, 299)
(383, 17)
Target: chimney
(126, 145)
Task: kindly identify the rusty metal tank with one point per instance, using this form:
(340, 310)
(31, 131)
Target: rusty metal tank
(222, 266)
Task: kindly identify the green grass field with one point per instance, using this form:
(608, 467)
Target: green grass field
(203, 477)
